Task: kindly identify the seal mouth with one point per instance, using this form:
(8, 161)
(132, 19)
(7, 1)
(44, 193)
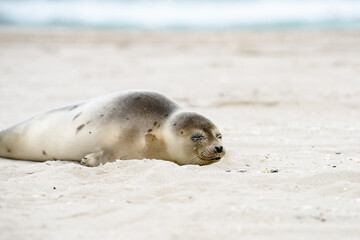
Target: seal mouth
(210, 159)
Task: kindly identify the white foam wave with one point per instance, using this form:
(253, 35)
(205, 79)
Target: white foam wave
(187, 14)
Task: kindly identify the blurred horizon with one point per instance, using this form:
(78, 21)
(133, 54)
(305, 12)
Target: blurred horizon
(188, 14)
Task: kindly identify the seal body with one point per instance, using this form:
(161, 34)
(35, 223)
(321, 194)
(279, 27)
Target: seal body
(123, 125)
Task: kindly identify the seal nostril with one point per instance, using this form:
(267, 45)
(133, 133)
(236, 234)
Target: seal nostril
(219, 149)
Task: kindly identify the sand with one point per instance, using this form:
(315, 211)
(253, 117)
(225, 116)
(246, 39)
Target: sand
(287, 103)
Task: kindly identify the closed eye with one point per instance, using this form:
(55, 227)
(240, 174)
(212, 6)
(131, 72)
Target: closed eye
(218, 135)
(197, 137)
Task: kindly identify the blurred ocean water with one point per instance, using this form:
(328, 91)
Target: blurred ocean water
(183, 14)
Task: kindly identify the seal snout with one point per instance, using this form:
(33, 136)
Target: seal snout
(212, 154)
(219, 152)
(219, 149)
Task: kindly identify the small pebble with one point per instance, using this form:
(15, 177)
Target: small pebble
(334, 166)
(242, 171)
(337, 152)
(274, 170)
(228, 170)
(247, 165)
(54, 187)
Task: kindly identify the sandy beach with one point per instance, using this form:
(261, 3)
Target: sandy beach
(287, 103)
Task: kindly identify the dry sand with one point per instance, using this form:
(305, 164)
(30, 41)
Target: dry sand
(288, 105)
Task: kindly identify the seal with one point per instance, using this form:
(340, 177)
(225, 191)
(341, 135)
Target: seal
(124, 125)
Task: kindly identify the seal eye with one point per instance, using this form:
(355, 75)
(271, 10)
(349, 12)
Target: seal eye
(218, 135)
(197, 137)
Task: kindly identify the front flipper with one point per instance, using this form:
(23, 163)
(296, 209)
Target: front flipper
(97, 158)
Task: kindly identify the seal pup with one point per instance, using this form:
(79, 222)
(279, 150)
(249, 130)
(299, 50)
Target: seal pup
(124, 125)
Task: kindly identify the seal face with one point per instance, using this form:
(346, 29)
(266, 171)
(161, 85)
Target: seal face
(200, 138)
(123, 125)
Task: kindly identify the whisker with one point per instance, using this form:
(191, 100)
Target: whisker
(191, 158)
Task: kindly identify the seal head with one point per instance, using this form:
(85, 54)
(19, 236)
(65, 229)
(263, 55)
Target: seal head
(193, 139)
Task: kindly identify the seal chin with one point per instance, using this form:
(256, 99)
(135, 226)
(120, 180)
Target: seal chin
(210, 159)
